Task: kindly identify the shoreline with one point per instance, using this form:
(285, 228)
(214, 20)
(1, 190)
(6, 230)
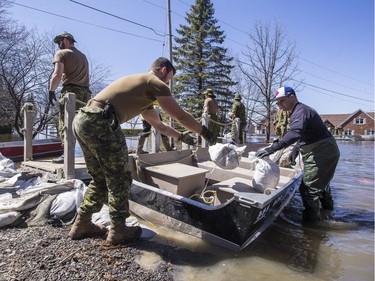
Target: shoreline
(47, 253)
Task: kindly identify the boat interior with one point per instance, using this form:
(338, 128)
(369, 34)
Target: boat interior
(192, 174)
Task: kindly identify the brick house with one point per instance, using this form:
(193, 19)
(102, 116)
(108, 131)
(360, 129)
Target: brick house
(359, 123)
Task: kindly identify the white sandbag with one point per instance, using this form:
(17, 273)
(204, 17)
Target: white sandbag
(7, 167)
(226, 156)
(8, 218)
(21, 203)
(64, 203)
(266, 175)
(68, 201)
(102, 217)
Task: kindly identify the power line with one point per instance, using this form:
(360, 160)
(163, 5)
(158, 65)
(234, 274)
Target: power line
(331, 91)
(88, 23)
(240, 44)
(314, 86)
(115, 16)
(333, 82)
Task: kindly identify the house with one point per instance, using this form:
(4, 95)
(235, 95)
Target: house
(358, 124)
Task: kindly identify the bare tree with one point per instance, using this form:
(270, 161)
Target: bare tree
(270, 61)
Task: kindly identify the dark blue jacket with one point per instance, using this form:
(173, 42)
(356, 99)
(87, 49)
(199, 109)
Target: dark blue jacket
(306, 127)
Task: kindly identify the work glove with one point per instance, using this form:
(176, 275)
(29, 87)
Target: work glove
(209, 136)
(52, 97)
(268, 150)
(185, 137)
(293, 155)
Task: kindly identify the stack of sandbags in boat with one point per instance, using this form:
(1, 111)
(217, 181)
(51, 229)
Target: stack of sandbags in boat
(227, 155)
(266, 173)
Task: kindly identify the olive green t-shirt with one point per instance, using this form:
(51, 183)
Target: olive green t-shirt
(133, 94)
(76, 67)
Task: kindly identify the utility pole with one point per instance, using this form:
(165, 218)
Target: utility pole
(170, 55)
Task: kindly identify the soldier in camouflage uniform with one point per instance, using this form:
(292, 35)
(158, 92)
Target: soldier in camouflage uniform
(238, 111)
(72, 69)
(97, 129)
(282, 123)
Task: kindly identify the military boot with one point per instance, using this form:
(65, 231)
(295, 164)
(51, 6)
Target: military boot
(119, 233)
(83, 227)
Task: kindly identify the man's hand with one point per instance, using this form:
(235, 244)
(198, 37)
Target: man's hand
(185, 137)
(264, 152)
(293, 156)
(52, 97)
(209, 136)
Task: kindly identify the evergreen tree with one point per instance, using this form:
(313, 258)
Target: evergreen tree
(201, 61)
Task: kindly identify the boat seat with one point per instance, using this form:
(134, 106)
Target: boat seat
(225, 190)
(177, 178)
(218, 174)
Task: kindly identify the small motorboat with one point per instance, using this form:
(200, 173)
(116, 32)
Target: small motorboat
(186, 191)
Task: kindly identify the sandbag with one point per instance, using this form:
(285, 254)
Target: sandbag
(68, 201)
(9, 217)
(226, 156)
(266, 175)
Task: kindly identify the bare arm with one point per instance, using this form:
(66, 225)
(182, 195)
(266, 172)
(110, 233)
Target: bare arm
(152, 117)
(174, 110)
(56, 75)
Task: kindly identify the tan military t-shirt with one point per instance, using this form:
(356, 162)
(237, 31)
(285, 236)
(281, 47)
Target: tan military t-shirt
(133, 94)
(76, 67)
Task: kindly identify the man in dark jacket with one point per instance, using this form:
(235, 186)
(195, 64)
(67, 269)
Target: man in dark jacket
(319, 151)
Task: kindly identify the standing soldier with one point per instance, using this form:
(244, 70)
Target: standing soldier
(282, 123)
(238, 111)
(72, 69)
(212, 109)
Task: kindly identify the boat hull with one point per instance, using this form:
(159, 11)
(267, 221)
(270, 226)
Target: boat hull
(41, 148)
(234, 225)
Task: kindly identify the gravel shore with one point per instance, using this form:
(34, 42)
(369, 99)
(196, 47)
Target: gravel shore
(47, 253)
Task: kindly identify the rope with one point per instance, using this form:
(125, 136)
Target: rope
(206, 199)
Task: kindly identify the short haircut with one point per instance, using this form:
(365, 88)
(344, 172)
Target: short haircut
(163, 62)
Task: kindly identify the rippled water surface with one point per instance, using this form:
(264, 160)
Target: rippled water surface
(341, 250)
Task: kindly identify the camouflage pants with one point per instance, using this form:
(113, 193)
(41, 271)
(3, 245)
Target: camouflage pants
(83, 94)
(212, 126)
(320, 160)
(106, 156)
(240, 133)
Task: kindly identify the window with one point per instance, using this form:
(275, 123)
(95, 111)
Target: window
(359, 120)
(370, 132)
(348, 132)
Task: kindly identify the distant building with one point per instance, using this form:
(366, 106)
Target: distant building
(359, 124)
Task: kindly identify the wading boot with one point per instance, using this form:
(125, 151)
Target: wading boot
(311, 214)
(83, 227)
(326, 199)
(119, 233)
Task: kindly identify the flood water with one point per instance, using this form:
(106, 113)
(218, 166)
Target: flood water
(342, 250)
